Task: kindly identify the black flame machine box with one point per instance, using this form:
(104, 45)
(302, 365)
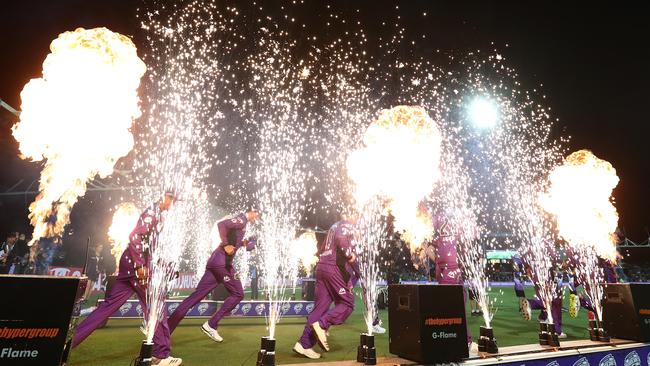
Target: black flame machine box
(626, 311)
(427, 323)
(37, 318)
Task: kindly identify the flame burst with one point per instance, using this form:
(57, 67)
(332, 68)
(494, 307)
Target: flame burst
(124, 220)
(407, 139)
(304, 250)
(77, 118)
(580, 198)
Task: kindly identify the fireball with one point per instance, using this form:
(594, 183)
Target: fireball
(124, 221)
(77, 119)
(304, 247)
(400, 164)
(580, 197)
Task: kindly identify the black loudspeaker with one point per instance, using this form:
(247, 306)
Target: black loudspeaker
(308, 288)
(626, 311)
(427, 323)
(219, 293)
(37, 312)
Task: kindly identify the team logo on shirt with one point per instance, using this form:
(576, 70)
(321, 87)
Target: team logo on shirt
(608, 360)
(297, 308)
(341, 291)
(226, 278)
(632, 359)
(581, 362)
(245, 308)
(310, 307)
(285, 308)
(202, 308)
(172, 307)
(125, 308)
(139, 309)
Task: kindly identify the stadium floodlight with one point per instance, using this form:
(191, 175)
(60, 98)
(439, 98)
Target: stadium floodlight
(483, 113)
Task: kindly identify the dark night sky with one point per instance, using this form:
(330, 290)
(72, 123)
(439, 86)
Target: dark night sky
(591, 60)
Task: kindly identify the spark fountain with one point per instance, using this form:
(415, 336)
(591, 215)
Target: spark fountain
(579, 197)
(185, 50)
(370, 237)
(280, 175)
(77, 118)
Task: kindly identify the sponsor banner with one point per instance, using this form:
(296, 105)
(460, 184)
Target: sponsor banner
(64, 271)
(185, 280)
(206, 308)
(633, 356)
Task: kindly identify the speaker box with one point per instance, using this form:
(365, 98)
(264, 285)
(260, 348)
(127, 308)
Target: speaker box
(37, 318)
(626, 311)
(426, 323)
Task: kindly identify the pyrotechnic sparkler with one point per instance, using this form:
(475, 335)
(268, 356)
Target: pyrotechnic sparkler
(280, 175)
(579, 196)
(186, 49)
(125, 218)
(77, 118)
(370, 237)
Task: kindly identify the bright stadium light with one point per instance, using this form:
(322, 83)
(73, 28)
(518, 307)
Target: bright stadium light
(483, 113)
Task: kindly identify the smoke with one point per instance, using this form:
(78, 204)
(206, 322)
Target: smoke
(76, 119)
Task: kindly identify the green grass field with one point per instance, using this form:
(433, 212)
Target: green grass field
(118, 343)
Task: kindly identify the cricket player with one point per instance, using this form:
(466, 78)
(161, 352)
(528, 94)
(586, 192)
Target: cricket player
(133, 272)
(332, 285)
(219, 269)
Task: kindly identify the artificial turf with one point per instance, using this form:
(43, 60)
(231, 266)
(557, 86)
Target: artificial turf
(119, 342)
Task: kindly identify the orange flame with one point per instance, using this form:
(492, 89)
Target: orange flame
(400, 163)
(125, 218)
(580, 198)
(77, 117)
(304, 247)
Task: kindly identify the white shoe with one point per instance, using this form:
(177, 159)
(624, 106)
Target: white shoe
(321, 336)
(211, 332)
(169, 361)
(378, 329)
(473, 347)
(524, 308)
(561, 335)
(307, 352)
